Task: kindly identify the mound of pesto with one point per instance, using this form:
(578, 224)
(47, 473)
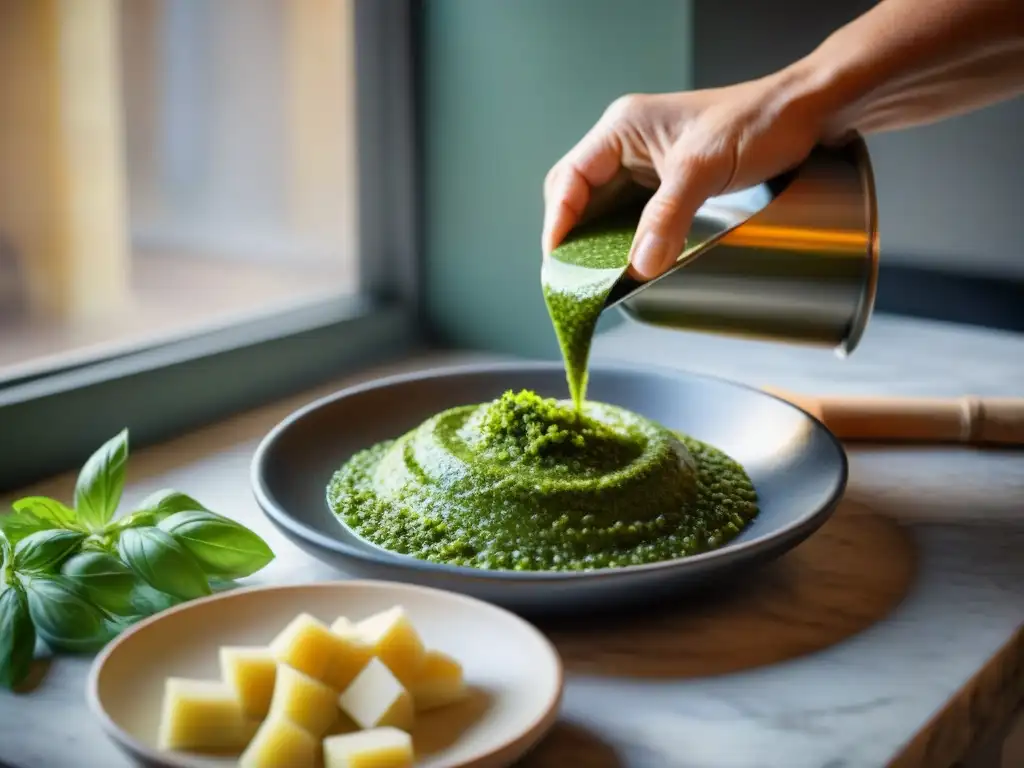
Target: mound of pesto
(527, 483)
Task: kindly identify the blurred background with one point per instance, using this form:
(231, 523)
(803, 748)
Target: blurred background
(167, 166)
(172, 166)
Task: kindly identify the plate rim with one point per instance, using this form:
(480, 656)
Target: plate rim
(532, 734)
(280, 517)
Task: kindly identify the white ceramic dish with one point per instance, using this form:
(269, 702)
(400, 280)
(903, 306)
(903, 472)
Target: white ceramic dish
(514, 671)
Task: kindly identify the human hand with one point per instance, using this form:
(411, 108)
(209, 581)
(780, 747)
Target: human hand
(689, 146)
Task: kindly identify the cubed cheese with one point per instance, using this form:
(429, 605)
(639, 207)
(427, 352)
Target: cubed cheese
(348, 658)
(440, 682)
(395, 641)
(305, 644)
(304, 700)
(342, 723)
(202, 716)
(280, 742)
(376, 698)
(376, 748)
(343, 626)
(309, 646)
(250, 671)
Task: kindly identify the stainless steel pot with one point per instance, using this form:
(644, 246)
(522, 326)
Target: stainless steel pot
(794, 259)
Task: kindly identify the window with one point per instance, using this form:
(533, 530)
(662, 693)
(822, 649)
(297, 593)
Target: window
(189, 190)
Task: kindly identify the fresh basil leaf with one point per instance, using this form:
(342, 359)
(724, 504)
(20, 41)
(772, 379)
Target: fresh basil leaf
(104, 579)
(100, 483)
(64, 618)
(223, 547)
(162, 562)
(223, 585)
(44, 551)
(17, 525)
(103, 542)
(158, 506)
(146, 601)
(121, 623)
(17, 635)
(45, 508)
(134, 520)
(109, 629)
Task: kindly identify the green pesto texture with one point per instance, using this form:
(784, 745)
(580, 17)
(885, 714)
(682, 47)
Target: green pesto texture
(604, 244)
(597, 255)
(528, 483)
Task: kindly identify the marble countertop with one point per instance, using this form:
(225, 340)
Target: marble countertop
(918, 686)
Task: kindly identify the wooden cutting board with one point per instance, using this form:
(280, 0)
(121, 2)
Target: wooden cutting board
(847, 576)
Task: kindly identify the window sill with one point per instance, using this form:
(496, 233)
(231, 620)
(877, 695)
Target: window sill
(169, 295)
(51, 423)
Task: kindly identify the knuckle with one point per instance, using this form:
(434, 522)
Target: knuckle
(624, 108)
(688, 166)
(661, 210)
(551, 178)
(685, 159)
(700, 171)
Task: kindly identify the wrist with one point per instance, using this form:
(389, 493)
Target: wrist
(824, 88)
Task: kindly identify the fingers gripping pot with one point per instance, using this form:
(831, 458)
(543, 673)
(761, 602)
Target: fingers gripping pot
(794, 259)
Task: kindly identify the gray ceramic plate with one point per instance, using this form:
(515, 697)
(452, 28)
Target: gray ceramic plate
(798, 468)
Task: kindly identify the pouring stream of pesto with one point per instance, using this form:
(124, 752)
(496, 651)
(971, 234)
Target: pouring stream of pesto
(576, 279)
(531, 483)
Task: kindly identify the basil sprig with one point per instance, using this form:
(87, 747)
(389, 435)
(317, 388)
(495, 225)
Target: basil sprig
(76, 577)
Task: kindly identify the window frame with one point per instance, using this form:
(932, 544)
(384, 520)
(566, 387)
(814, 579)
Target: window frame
(50, 422)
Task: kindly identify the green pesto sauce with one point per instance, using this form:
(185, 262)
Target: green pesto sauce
(529, 483)
(576, 279)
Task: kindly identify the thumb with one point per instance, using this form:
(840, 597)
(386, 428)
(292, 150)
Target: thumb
(661, 233)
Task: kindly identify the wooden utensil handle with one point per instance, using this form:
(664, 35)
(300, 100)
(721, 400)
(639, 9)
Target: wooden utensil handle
(969, 420)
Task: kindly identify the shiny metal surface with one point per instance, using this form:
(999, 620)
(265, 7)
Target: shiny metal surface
(794, 259)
